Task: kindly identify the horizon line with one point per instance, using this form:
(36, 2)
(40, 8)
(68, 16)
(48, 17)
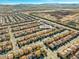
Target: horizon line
(39, 3)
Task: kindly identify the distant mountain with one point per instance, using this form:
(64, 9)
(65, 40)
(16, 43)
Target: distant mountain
(37, 7)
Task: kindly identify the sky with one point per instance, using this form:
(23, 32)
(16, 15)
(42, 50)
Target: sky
(36, 1)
